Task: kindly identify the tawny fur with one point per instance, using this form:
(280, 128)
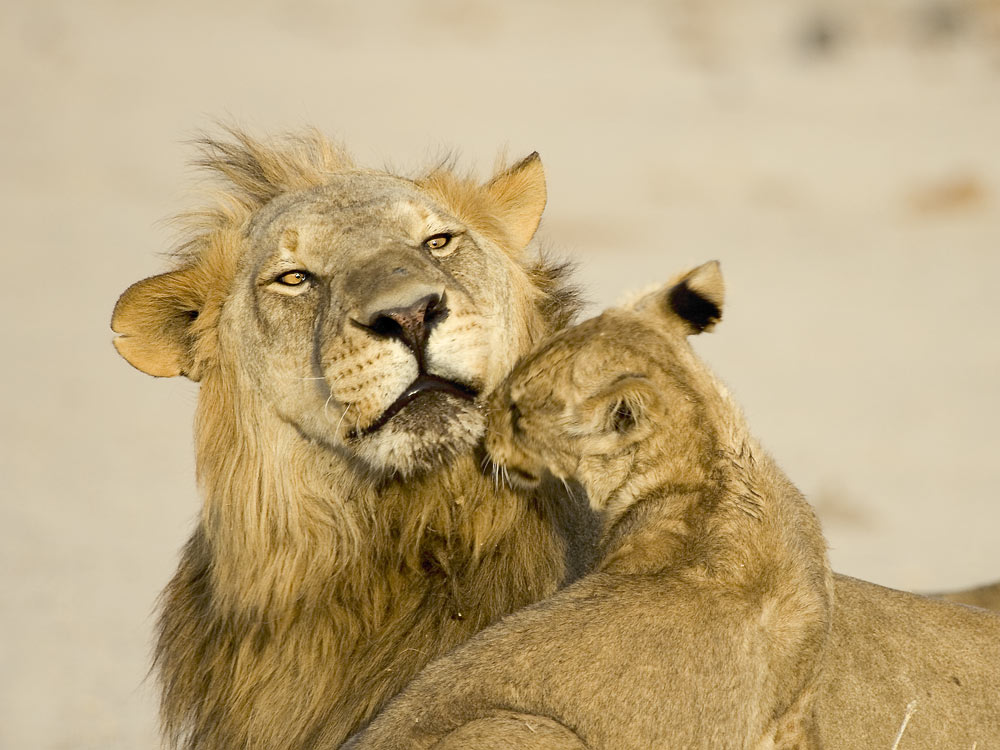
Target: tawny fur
(985, 597)
(710, 621)
(329, 566)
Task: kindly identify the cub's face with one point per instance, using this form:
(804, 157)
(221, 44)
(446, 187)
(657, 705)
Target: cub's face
(374, 321)
(616, 399)
(580, 406)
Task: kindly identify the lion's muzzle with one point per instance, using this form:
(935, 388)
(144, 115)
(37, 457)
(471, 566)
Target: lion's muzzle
(423, 384)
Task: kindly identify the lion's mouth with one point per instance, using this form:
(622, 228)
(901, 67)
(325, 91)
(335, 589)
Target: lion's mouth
(423, 384)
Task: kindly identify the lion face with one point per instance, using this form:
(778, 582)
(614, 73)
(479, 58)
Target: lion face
(370, 312)
(380, 318)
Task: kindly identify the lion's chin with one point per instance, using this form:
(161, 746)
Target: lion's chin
(424, 435)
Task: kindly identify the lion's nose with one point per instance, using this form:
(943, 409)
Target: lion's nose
(410, 323)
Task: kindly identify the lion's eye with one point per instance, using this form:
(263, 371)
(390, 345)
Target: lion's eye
(293, 278)
(438, 244)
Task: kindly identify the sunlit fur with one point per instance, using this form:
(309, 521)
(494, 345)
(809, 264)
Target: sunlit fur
(326, 570)
(987, 597)
(712, 620)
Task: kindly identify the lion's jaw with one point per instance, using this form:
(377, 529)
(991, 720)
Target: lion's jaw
(336, 365)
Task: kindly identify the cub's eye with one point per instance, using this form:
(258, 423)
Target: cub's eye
(293, 278)
(438, 245)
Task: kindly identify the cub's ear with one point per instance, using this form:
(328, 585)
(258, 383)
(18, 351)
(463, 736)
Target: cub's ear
(698, 296)
(694, 299)
(520, 195)
(626, 405)
(153, 320)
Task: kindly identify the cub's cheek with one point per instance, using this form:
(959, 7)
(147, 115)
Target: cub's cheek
(497, 451)
(520, 477)
(564, 467)
(508, 461)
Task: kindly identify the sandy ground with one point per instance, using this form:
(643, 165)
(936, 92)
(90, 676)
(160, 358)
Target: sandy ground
(841, 159)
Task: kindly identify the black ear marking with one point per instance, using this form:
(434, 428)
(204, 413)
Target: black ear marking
(699, 311)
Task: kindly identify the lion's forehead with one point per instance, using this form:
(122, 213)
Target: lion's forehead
(363, 211)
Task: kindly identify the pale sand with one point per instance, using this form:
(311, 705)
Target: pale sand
(853, 199)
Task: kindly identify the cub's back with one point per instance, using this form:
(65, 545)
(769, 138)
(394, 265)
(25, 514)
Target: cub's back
(892, 653)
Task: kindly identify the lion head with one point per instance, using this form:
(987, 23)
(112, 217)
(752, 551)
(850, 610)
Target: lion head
(369, 311)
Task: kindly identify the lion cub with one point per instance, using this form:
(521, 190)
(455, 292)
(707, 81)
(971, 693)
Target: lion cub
(712, 582)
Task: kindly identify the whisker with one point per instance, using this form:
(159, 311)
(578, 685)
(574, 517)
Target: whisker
(336, 430)
(326, 405)
(300, 377)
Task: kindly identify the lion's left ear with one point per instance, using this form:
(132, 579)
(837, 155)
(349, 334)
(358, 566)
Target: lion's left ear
(520, 195)
(694, 299)
(154, 319)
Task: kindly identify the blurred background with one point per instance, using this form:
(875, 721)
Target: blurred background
(840, 157)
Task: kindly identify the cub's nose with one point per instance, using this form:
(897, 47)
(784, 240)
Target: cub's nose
(410, 323)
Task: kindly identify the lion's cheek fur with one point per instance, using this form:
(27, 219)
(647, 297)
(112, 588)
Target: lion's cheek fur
(493, 320)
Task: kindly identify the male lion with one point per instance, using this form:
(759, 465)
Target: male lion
(345, 325)
(711, 620)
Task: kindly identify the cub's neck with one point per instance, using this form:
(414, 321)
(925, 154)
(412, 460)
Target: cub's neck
(736, 521)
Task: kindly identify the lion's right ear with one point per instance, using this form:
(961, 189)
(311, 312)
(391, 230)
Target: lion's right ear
(520, 195)
(153, 320)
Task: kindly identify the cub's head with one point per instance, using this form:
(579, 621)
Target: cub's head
(615, 398)
(369, 312)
